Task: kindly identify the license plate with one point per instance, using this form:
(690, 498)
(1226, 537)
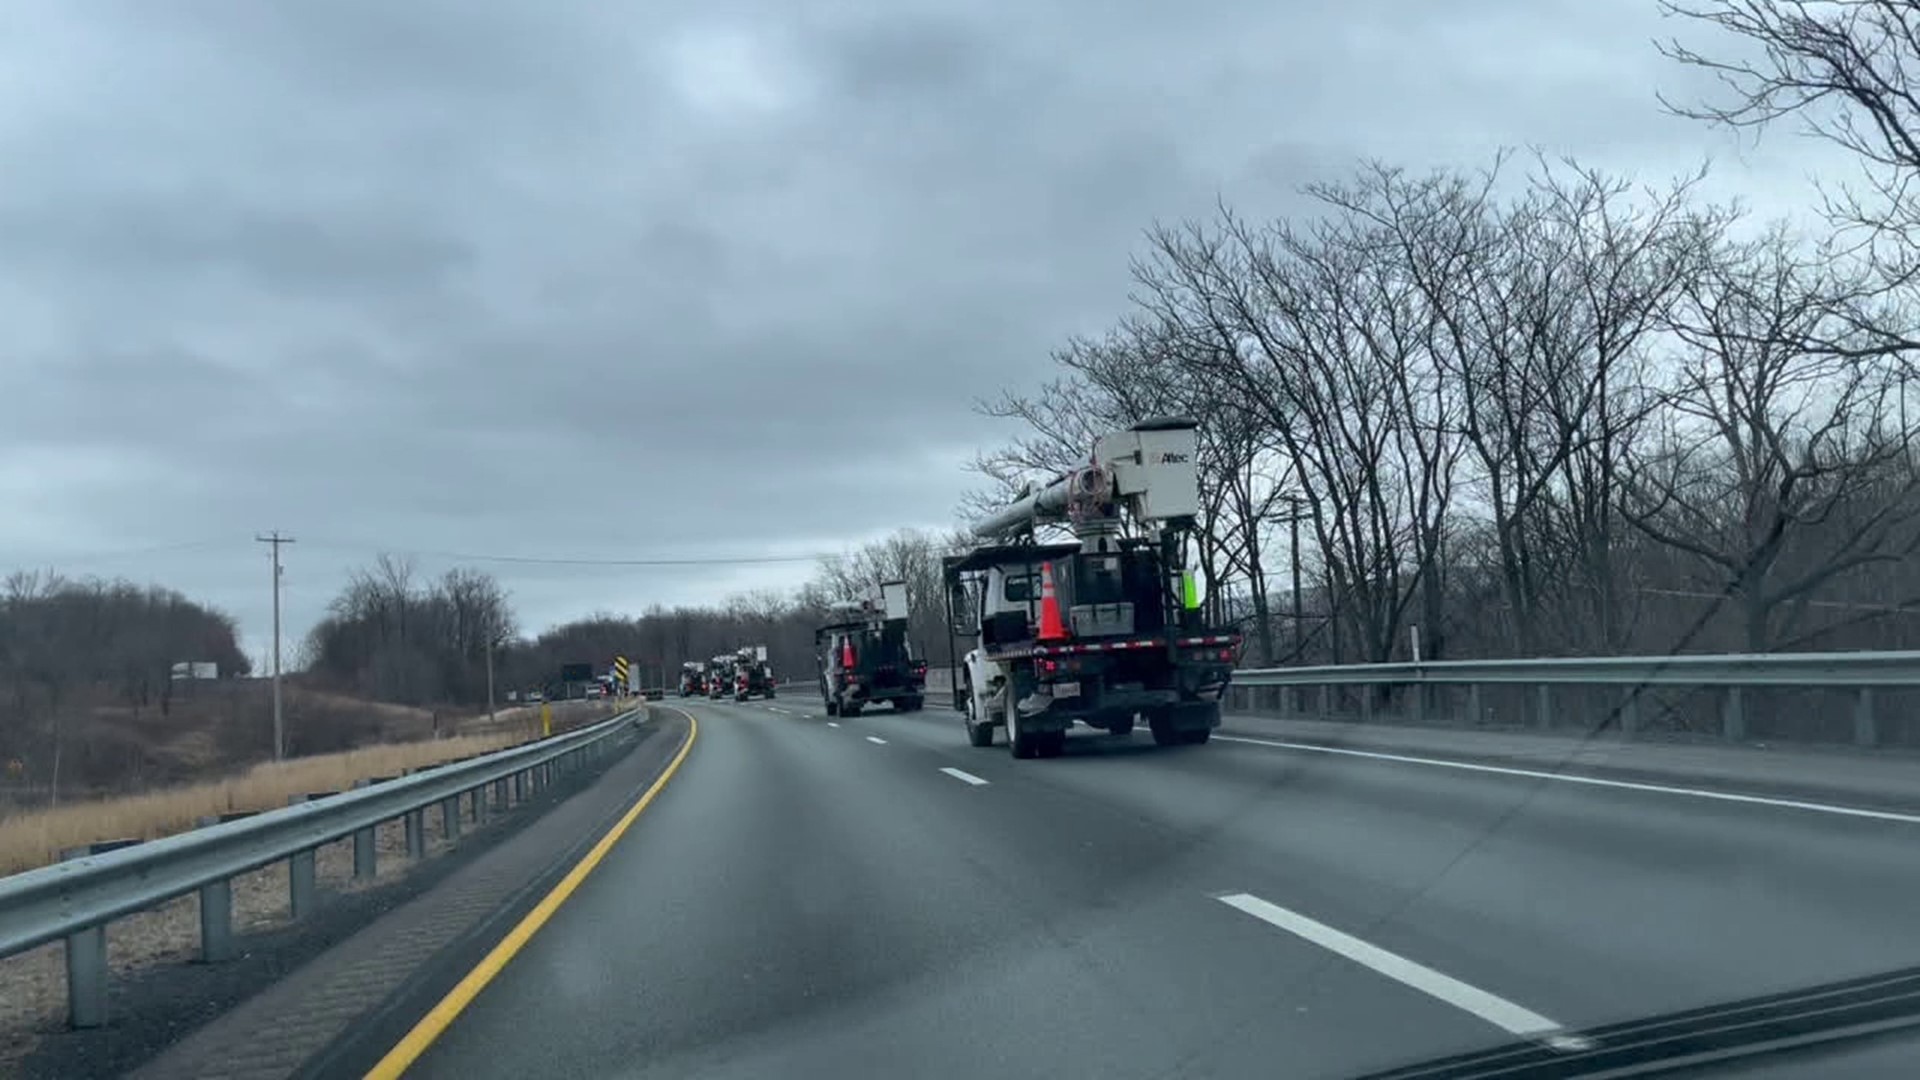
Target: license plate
(1066, 689)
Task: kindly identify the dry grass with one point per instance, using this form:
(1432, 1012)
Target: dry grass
(35, 838)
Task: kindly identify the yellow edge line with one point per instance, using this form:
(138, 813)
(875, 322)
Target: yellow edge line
(415, 1042)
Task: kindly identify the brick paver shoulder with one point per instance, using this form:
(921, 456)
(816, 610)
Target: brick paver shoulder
(275, 1032)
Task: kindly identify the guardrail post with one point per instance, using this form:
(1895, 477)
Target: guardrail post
(450, 817)
(1864, 731)
(1735, 725)
(1366, 703)
(1417, 702)
(1473, 705)
(86, 967)
(500, 801)
(300, 875)
(1545, 695)
(416, 828)
(216, 913)
(1630, 713)
(520, 786)
(1326, 702)
(364, 852)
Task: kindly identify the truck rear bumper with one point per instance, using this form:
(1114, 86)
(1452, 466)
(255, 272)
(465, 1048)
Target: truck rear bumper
(1060, 712)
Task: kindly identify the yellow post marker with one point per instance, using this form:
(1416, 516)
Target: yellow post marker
(546, 719)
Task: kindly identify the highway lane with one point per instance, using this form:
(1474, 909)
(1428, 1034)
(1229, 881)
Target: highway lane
(877, 898)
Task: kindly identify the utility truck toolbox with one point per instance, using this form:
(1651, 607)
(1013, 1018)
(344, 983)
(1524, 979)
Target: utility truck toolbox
(1101, 631)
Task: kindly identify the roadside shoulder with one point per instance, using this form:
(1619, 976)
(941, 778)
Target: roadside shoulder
(311, 1018)
(1888, 780)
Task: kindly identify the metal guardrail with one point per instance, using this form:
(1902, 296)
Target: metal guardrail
(1861, 672)
(1733, 669)
(75, 899)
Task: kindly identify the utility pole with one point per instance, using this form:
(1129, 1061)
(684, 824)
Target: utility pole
(492, 634)
(274, 539)
(1300, 635)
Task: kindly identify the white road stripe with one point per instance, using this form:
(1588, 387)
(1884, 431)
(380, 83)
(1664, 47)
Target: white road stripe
(1594, 781)
(876, 740)
(1497, 1011)
(781, 711)
(960, 774)
(833, 723)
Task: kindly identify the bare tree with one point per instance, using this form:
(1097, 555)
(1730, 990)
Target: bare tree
(1779, 469)
(1849, 72)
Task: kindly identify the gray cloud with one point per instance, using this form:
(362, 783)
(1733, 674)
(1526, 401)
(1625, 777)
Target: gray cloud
(598, 280)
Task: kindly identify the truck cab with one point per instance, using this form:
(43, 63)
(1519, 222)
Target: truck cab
(693, 678)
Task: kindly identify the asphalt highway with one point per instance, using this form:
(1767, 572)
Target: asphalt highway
(873, 897)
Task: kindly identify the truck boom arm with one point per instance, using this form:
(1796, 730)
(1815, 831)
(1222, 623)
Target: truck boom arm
(1148, 469)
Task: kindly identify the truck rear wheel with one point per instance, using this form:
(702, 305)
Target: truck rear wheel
(849, 709)
(1020, 744)
(906, 704)
(1160, 721)
(833, 707)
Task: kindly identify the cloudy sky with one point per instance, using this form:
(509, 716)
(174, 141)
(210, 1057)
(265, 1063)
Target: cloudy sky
(579, 280)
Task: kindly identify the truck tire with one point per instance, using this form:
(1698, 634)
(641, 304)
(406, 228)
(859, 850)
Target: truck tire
(833, 707)
(1052, 744)
(849, 709)
(1160, 721)
(978, 734)
(769, 693)
(1021, 744)
(907, 704)
(1197, 737)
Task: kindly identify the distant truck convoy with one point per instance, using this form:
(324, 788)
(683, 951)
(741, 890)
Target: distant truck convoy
(864, 656)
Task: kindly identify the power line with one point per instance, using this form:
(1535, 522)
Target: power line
(87, 557)
(558, 560)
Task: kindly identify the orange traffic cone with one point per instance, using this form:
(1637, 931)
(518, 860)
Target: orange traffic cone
(1051, 628)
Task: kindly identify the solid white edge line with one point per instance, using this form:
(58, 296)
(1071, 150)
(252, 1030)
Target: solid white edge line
(963, 775)
(876, 740)
(1593, 781)
(1495, 1010)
